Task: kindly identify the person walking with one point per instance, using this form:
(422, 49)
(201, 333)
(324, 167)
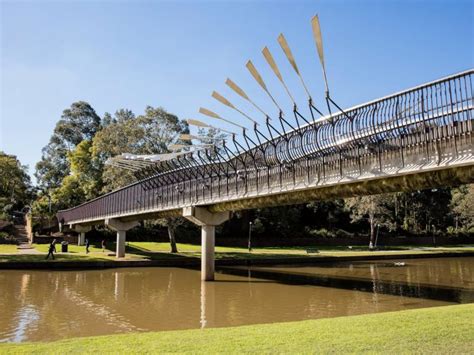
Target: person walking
(103, 245)
(51, 249)
(87, 246)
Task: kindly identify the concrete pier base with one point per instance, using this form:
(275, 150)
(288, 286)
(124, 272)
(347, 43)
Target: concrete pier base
(208, 222)
(82, 230)
(81, 239)
(121, 228)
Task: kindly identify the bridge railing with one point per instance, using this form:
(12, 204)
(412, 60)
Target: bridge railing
(346, 143)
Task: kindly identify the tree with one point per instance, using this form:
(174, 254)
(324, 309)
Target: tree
(171, 223)
(150, 133)
(374, 209)
(15, 184)
(53, 166)
(69, 194)
(78, 123)
(84, 181)
(87, 169)
(424, 209)
(329, 213)
(462, 205)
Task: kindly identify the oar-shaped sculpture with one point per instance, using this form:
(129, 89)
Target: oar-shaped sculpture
(258, 78)
(201, 124)
(242, 94)
(198, 123)
(289, 55)
(177, 147)
(271, 62)
(256, 75)
(212, 114)
(319, 45)
(226, 102)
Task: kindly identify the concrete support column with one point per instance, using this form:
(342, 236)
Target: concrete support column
(81, 240)
(207, 252)
(208, 222)
(121, 228)
(82, 230)
(120, 251)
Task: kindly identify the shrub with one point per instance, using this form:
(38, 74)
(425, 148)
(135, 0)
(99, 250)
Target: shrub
(5, 238)
(341, 233)
(321, 233)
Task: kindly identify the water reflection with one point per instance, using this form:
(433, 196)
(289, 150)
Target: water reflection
(47, 305)
(448, 279)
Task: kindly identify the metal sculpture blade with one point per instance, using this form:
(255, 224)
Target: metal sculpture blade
(209, 113)
(187, 137)
(222, 99)
(256, 75)
(226, 102)
(241, 93)
(269, 58)
(197, 123)
(201, 124)
(175, 147)
(319, 45)
(291, 59)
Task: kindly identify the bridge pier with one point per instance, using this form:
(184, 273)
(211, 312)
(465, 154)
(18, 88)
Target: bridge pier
(121, 228)
(82, 230)
(208, 222)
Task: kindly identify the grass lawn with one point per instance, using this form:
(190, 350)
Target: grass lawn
(26, 258)
(8, 249)
(161, 251)
(438, 330)
(280, 252)
(72, 248)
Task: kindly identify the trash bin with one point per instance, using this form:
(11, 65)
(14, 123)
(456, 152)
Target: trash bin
(64, 245)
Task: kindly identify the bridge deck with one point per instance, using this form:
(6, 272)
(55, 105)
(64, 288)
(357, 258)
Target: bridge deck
(418, 138)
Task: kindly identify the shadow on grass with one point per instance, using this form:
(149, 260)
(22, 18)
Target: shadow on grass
(259, 256)
(155, 255)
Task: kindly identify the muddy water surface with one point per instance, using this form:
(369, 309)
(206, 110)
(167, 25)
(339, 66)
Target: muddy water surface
(49, 305)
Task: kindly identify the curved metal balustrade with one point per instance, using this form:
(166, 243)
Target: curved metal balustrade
(426, 128)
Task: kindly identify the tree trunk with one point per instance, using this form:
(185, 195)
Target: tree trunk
(171, 234)
(372, 234)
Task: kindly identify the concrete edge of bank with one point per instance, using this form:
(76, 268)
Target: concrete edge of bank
(195, 262)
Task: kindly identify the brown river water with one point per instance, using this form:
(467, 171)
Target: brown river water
(50, 305)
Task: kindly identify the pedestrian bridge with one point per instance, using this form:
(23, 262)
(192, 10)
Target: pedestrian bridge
(418, 138)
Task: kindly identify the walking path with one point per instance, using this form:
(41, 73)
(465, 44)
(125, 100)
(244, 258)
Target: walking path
(24, 246)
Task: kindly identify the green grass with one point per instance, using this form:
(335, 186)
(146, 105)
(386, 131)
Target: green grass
(25, 258)
(439, 330)
(285, 252)
(8, 249)
(72, 248)
(161, 251)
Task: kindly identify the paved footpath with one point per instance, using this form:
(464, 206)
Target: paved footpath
(24, 247)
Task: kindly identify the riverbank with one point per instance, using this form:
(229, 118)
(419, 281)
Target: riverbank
(143, 254)
(429, 330)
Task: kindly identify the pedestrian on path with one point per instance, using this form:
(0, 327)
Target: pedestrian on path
(51, 249)
(87, 246)
(103, 245)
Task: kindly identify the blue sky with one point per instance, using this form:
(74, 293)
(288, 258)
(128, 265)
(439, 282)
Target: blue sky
(130, 54)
